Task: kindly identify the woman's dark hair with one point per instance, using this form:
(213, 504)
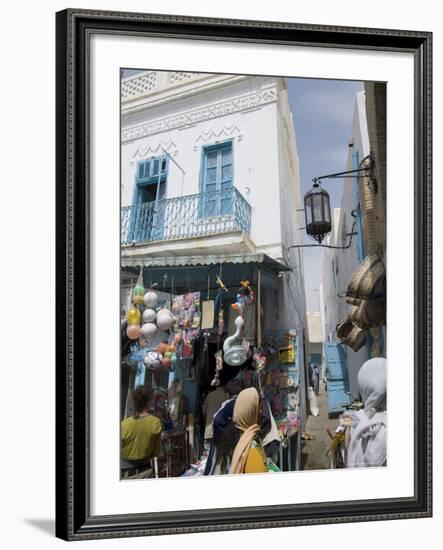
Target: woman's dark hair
(233, 387)
(228, 439)
(141, 397)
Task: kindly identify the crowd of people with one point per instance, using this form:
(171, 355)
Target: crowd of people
(241, 435)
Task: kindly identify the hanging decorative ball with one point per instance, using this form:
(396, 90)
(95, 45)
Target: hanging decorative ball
(137, 294)
(169, 354)
(174, 359)
(150, 298)
(149, 315)
(133, 331)
(152, 359)
(149, 330)
(133, 316)
(165, 319)
(166, 363)
(161, 348)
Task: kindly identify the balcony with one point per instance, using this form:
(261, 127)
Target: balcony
(188, 217)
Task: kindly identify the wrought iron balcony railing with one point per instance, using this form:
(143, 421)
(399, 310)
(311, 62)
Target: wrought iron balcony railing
(191, 216)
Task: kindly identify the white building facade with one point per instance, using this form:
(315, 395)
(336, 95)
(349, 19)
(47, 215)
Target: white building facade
(209, 173)
(339, 264)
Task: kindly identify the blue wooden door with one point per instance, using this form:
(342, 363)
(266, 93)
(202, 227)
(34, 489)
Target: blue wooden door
(217, 179)
(337, 376)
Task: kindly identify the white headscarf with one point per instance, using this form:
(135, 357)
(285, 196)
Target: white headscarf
(368, 430)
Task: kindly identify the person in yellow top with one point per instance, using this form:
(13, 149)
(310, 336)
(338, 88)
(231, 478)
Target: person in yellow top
(249, 456)
(140, 434)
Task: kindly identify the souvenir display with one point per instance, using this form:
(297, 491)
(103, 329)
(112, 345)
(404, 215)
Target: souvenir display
(153, 359)
(166, 362)
(139, 290)
(149, 330)
(162, 348)
(218, 368)
(234, 351)
(165, 319)
(133, 316)
(172, 346)
(133, 332)
(149, 315)
(207, 314)
(150, 299)
(244, 297)
(187, 317)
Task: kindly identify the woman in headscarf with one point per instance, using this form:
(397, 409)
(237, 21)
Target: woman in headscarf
(367, 446)
(249, 456)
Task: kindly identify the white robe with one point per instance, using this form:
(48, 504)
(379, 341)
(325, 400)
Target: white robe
(367, 445)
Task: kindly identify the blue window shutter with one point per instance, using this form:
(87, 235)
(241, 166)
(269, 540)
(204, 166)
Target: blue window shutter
(148, 170)
(144, 225)
(360, 243)
(216, 180)
(337, 375)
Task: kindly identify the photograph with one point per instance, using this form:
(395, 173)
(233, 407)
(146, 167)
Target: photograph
(243, 269)
(253, 274)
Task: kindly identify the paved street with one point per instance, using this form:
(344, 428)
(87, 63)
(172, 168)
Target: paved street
(313, 453)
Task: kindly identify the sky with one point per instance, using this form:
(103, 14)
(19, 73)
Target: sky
(322, 111)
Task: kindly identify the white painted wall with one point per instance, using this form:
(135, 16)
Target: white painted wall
(334, 307)
(255, 150)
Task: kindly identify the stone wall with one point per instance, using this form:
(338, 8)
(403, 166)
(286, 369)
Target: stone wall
(376, 118)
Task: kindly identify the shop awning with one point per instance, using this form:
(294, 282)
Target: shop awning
(207, 260)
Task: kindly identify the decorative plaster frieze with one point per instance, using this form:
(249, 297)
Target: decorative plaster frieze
(144, 151)
(235, 105)
(226, 131)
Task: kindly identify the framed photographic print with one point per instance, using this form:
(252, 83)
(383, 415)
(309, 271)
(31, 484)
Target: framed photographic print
(243, 274)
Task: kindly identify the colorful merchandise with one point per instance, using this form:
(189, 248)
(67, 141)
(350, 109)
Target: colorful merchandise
(149, 315)
(149, 330)
(133, 332)
(150, 299)
(137, 294)
(133, 316)
(165, 319)
(152, 359)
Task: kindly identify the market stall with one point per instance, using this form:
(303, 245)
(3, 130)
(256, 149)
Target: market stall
(190, 324)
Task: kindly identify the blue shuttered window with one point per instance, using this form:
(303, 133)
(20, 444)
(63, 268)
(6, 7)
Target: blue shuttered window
(148, 170)
(150, 187)
(217, 180)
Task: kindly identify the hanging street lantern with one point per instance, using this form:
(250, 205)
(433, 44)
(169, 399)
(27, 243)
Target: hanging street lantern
(317, 213)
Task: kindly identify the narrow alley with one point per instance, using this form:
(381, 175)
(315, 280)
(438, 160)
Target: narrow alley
(314, 452)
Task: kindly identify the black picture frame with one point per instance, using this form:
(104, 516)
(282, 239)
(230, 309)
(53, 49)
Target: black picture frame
(74, 27)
